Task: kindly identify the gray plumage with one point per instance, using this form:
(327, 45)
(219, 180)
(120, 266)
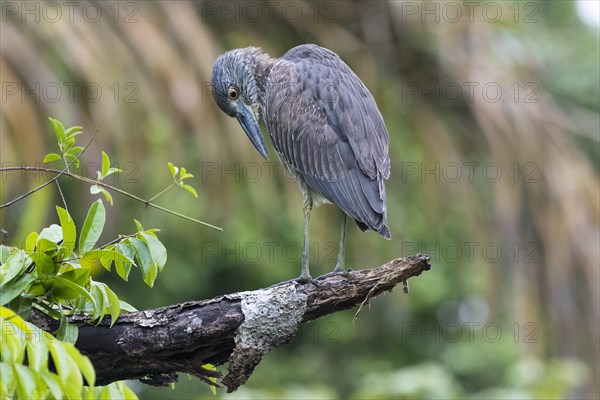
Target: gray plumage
(323, 123)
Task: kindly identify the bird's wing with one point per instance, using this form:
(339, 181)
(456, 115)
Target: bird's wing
(325, 124)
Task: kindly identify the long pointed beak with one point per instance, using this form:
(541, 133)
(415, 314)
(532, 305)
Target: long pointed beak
(248, 123)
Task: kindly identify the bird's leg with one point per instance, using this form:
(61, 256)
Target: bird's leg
(305, 275)
(340, 266)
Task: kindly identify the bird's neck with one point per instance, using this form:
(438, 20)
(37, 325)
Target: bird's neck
(260, 67)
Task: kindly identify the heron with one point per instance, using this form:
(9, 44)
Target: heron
(325, 128)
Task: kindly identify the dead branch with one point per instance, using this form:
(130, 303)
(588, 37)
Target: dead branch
(154, 345)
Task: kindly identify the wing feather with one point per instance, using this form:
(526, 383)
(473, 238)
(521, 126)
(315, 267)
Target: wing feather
(327, 129)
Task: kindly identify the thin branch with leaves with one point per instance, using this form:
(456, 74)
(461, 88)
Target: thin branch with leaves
(70, 155)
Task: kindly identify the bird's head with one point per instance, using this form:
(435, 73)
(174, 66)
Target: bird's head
(238, 79)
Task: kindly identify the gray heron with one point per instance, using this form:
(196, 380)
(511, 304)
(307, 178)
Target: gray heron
(324, 126)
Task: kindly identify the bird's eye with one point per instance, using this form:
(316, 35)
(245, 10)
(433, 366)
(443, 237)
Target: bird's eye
(233, 93)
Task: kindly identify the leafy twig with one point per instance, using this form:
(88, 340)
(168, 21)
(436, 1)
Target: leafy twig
(99, 183)
(59, 173)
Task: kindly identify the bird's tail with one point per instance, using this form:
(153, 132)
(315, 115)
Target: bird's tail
(383, 231)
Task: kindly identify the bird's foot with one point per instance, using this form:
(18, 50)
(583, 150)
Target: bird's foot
(305, 279)
(338, 270)
(301, 280)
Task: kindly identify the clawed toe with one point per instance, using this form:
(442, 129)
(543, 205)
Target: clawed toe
(336, 271)
(303, 280)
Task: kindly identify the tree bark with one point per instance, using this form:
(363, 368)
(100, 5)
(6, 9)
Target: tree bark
(154, 345)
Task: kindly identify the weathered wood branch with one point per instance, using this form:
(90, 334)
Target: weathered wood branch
(153, 345)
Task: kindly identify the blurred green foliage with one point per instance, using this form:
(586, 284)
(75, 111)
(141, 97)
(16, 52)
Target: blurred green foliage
(500, 191)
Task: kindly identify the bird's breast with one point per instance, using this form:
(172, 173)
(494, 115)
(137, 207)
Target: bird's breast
(307, 191)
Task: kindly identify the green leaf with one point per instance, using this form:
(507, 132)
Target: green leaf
(107, 300)
(73, 387)
(53, 382)
(99, 299)
(67, 331)
(53, 233)
(73, 132)
(147, 266)
(182, 173)
(44, 264)
(8, 381)
(69, 232)
(16, 320)
(79, 276)
(106, 195)
(6, 251)
(112, 391)
(106, 263)
(157, 250)
(72, 159)
(47, 247)
(82, 306)
(51, 157)
(112, 171)
(138, 225)
(185, 175)
(95, 189)
(31, 241)
(190, 189)
(105, 164)
(92, 227)
(126, 307)
(37, 351)
(211, 367)
(72, 154)
(62, 361)
(123, 391)
(113, 305)
(128, 394)
(84, 364)
(64, 289)
(67, 265)
(123, 267)
(74, 151)
(21, 305)
(15, 265)
(26, 383)
(173, 169)
(106, 256)
(59, 130)
(37, 289)
(13, 333)
(18, 286)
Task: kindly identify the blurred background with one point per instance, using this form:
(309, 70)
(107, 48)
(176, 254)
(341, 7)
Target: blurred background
(493, 114)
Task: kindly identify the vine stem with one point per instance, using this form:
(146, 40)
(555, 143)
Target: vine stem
(62, 196)
(148, 203)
